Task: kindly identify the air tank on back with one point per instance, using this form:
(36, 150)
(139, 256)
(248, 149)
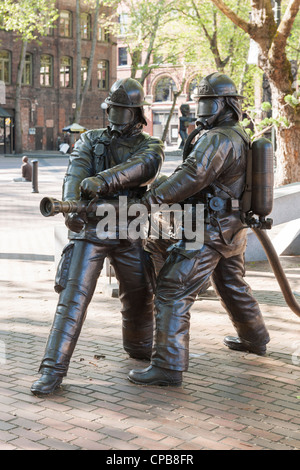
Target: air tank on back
(262, 177)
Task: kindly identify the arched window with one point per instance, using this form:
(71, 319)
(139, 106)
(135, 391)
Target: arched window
(27, 72)
(65, 24)
(84, 70)
(46, 70)
(65, 72)
(85, 26)
(164, 89)
(103, 34)
(102, 74)
(5, 66)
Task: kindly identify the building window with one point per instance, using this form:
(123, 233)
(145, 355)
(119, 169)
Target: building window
(65, 72)
(46, 71)
(27, 72)
(102, 74)
(122, 59)
(85, 26)
(5, 67)
(103, 34)
(65, 24)
(123, 23)
(84, 70)
(164, 90)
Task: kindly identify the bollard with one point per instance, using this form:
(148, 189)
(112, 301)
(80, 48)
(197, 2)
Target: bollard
(34, 176)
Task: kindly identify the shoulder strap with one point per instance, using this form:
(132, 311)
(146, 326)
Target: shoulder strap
(245, 202)
(247, 194)
(188, 146)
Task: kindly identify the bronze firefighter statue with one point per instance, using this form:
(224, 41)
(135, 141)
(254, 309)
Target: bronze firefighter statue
(118, 160)
(215, 172)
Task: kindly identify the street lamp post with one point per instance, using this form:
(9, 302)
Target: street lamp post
(104, 107)
(277, 10)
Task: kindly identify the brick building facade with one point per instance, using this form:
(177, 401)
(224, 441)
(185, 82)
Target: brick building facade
(49, 80)
(159, 88)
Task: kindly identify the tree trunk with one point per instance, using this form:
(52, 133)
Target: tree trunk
(91, 59)
(146, 69)
(272, 40)
(135, 62)
(176, 94)
(287, 139)
(288, 167)
(165, 132)
(78, 62)
(278, 71)
(18, 124)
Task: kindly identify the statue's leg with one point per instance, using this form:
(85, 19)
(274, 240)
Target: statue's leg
(237, 299)
(83, 272)
(179, 282)
(136, 296)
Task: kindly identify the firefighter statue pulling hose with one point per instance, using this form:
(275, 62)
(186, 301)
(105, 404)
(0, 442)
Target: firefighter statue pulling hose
(214, 172)
(234, 180)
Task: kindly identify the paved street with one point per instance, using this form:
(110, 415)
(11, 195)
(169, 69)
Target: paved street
(228, 401)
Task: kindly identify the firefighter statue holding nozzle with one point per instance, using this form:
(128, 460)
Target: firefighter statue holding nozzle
(213, 174)
(108, 163)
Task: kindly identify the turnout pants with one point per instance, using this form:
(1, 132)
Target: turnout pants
(178, 284)
(135, 293)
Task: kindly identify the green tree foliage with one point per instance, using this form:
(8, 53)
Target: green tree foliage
(149, 34)
(275, 38)
(29, 19)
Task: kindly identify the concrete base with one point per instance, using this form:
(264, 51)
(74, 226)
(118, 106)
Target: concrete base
(285, 233)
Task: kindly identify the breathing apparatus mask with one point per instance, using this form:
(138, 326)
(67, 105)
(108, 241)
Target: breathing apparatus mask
(121, 120)
(216, 95)
(125, 107)
(218, 100)
(209, 109)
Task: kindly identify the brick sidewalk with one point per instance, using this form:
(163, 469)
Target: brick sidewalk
(228, 400)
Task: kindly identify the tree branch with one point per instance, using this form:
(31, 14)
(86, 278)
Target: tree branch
(244, 25)
(288, 19)
(283, 31)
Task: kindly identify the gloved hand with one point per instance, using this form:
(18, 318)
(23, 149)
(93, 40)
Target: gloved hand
(92, 187)
(74, 222)
(158, 181)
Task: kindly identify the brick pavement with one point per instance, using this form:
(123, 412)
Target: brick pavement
(228, 400)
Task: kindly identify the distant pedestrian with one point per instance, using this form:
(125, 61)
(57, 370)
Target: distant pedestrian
(184, 121)
(58, 142)
(26, 170)
(67, 141)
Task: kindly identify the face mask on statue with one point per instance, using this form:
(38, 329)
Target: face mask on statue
(209, 109)
(120, 120)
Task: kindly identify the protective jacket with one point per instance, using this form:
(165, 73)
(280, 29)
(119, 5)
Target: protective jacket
(127, 165)
(215, 168)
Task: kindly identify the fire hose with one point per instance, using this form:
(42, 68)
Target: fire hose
(261, 167)
(50, 207)
(278, 270)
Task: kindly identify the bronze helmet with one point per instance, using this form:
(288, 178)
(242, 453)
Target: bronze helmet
(214, 93)
(216, 85)
(127, 93)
